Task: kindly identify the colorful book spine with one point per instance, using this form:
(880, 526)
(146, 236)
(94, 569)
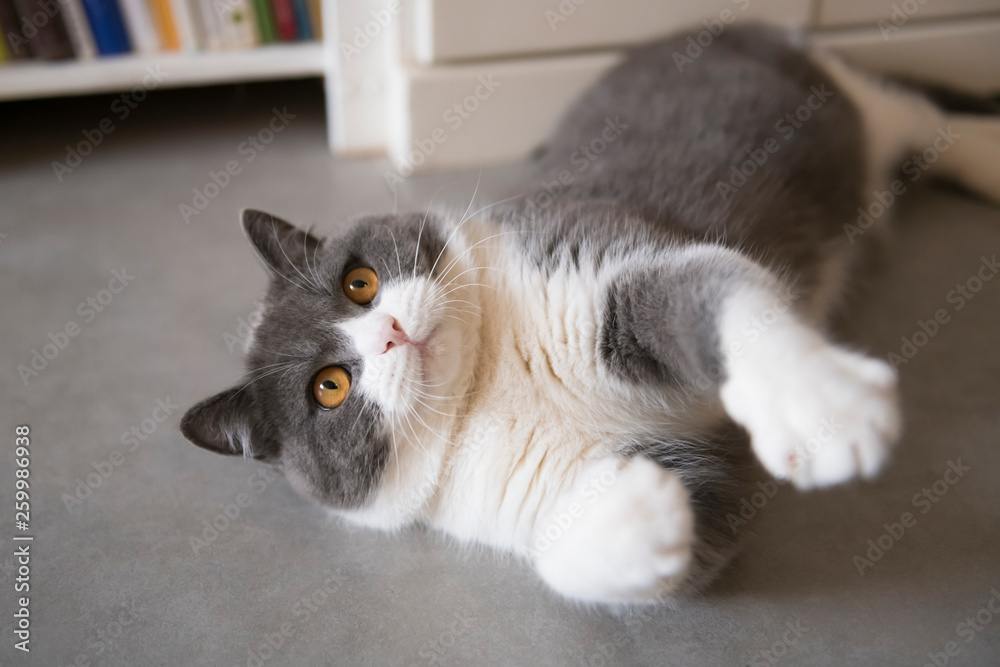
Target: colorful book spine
(210, 25)
(316, 17)
(301, 8)
(184, 24)
(284, 20)
(265, 21)
(43, 27)
(163, 19)
(79, 30)
(108, 27)
(10, 25)
(239, 31)
(139, 25)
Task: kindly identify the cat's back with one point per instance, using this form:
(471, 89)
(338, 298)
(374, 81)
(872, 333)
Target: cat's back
(747, 140)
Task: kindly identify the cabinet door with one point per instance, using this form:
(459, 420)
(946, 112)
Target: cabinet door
(453, 30)
(857, 12)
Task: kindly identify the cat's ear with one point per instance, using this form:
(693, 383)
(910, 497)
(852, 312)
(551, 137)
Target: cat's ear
(225, 424)
(282, 246)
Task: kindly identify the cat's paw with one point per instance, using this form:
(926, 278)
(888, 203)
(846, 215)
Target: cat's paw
(817, 416)
(622, 534)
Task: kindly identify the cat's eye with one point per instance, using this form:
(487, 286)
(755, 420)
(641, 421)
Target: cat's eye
(361, 285)
(330, 387)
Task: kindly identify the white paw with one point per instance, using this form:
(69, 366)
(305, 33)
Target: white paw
(817, 415)
(622, 534)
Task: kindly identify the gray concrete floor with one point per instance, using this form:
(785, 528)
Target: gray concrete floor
(115, 579)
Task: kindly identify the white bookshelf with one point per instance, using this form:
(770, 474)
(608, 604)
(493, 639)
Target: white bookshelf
(37, 79)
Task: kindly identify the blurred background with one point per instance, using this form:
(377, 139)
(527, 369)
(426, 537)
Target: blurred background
(133, 131)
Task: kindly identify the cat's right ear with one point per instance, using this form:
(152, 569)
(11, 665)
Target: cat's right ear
(225, 424)
(280, 245)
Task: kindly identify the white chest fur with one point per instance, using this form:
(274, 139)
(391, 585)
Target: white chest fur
(542, 403)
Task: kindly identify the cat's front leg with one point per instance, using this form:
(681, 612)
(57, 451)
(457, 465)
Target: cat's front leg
(620, 532)
(818, 414)
(713, 322)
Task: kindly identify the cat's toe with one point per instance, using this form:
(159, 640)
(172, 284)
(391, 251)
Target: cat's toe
(825, 420)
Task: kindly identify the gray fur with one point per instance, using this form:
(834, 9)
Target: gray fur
(336, 456)
(656, 184)
(653, 186)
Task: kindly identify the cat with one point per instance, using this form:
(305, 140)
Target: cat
(583, 375)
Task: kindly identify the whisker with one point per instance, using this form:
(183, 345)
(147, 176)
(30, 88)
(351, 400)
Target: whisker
(281, 247)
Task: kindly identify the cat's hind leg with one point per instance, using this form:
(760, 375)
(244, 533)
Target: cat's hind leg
(906, 130)
(973, 157)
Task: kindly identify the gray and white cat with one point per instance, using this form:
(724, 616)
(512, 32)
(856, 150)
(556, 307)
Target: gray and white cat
(580, 376)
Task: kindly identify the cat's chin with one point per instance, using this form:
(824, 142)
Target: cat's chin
(441, 358)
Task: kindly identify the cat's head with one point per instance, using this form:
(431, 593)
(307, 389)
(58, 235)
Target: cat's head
(364, 346)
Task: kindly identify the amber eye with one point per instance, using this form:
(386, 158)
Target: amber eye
(331, 386)
(361, 285)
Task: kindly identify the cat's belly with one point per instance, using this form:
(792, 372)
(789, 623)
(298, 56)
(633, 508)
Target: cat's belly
(543, 404)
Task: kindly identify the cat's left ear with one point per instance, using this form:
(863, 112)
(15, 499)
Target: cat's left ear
(283, 247)
(226, 424)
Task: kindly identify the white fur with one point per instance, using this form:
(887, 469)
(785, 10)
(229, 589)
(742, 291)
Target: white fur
(899, 123)
(485, 461)
(622, 534)
(817, 414)
(502, 424)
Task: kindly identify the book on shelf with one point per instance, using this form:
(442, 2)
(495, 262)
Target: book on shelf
(139, 26)
(10, 26)
(166, 29)
(301, 8)
(316, 17)
(42, 30)
(84, 29)
(284, 20)
(236, 23)
(184, 22)
(80, 34)
(108, 26)
(265, 21)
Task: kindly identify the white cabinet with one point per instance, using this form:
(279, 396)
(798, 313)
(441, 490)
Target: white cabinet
(453, 30)
(855, 12)
(416, 91)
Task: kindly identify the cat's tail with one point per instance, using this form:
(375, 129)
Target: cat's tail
(910, 131)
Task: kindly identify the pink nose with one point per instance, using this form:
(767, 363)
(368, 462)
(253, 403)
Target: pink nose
(387, 334)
